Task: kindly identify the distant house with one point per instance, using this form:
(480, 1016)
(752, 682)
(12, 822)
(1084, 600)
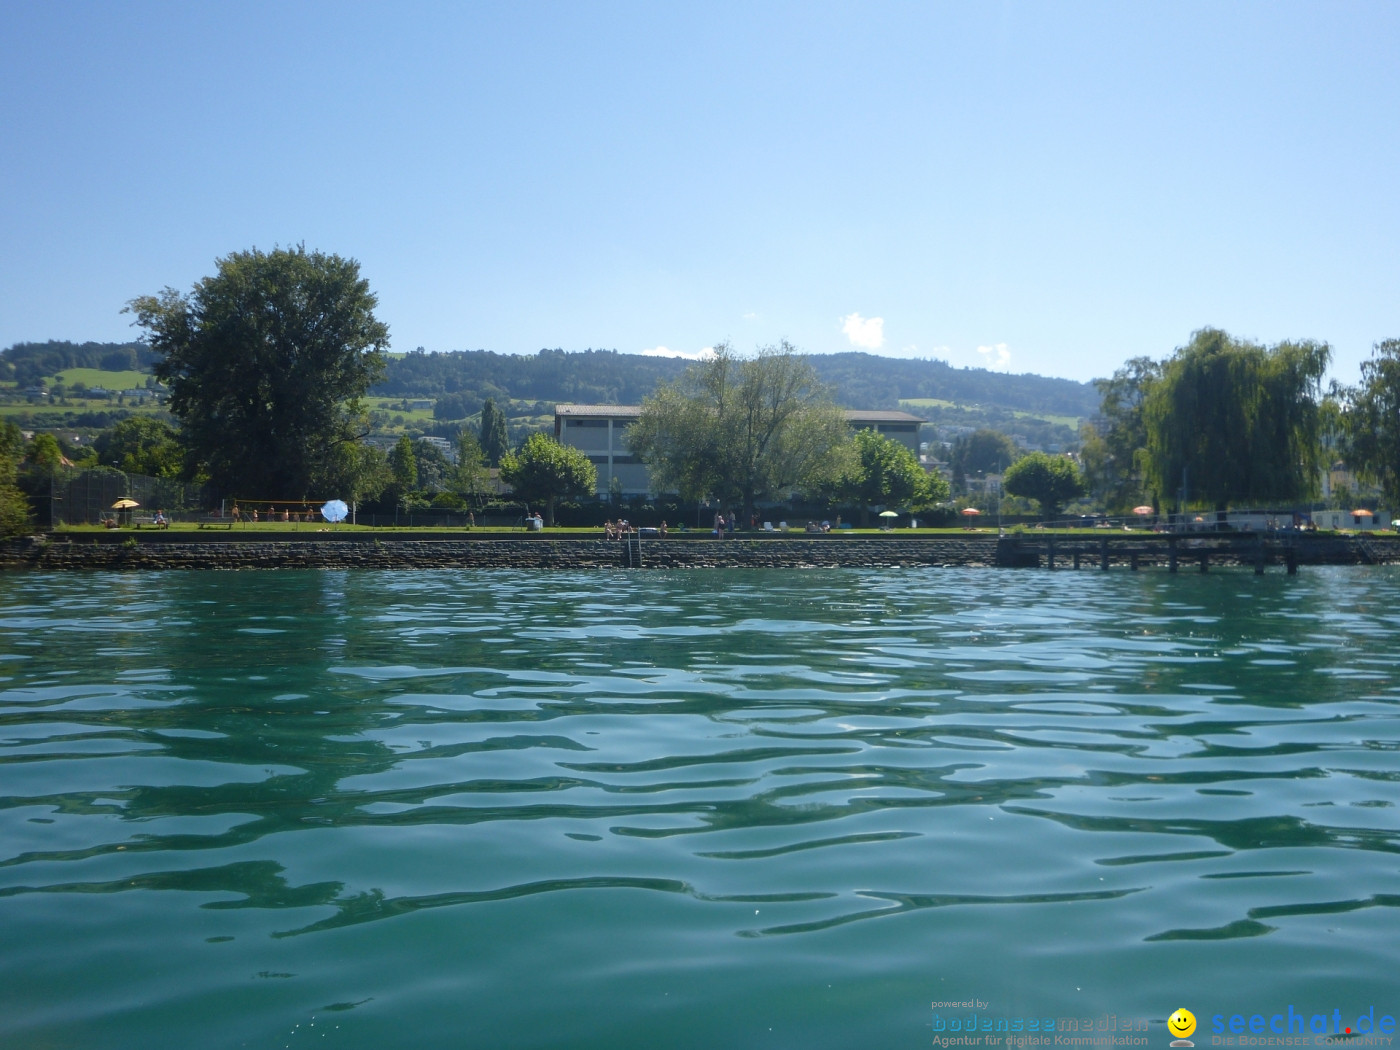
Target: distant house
(1348, 519)
(599, 432)
(897, 426)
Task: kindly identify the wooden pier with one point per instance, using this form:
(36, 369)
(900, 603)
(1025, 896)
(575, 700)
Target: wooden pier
(1136, 551)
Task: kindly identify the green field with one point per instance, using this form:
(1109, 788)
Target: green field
(915, 403)
(72, 409)
(928, 402)
(113, 381)
(1049, 417)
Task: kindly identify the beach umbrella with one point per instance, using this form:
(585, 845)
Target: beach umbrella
(126, 503)
(971, 512)
(335, 510)
(1144, 509)
(1362, 513)
(889, 514)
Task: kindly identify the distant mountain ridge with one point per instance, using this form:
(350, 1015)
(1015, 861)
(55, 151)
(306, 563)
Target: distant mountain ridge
(858, 380)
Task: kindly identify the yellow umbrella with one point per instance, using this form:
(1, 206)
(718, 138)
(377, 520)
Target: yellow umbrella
(125, 504)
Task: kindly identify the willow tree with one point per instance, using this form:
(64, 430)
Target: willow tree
(1230, 421)
(1373, 421)
(741, 429)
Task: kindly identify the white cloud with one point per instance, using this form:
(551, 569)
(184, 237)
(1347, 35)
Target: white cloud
(689, 355)
(996, 358)
(865, 332)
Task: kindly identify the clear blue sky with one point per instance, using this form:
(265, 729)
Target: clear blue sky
(1040, 187)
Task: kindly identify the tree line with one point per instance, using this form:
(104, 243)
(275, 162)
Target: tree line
(461, 380)
(1229, 422)
(269, 359)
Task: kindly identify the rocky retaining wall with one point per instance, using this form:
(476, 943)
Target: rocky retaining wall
(80, 552)
(532, 553)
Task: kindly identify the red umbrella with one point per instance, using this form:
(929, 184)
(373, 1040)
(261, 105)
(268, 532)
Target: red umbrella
(971, 511)
(1144, 509)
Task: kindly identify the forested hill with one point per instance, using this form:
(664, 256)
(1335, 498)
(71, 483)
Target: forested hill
(593, 377)
(607, 377)
(867, 381)
(858, 380)
(31, 363)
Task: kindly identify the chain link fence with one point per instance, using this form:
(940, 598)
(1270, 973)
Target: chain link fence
(88, 497)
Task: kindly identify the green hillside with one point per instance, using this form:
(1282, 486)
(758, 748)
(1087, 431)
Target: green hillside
(1046, 410)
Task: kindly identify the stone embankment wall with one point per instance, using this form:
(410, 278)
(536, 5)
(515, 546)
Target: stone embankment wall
(173, 551)
(523, 553)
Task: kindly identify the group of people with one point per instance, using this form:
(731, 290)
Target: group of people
(622, 528)
(273, 514)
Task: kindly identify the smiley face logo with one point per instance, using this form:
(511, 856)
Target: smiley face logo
(1181, 1024)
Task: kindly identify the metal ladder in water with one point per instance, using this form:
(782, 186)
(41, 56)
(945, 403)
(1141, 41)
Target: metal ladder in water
(632, 550)
(1369, 553)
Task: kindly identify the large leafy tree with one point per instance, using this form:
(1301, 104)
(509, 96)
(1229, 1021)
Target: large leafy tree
(266, 361)
(1238, 421)
(1372, 423)
(546, 471)
(1049, 480)
(882, 471)
(741, 429)
(141, 445)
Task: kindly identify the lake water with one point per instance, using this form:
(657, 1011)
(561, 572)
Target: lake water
(720, 809)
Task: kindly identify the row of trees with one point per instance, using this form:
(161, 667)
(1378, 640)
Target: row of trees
(269, 359)
(1226, 421)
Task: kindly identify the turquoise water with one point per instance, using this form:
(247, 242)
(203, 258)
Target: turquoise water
(700, 809)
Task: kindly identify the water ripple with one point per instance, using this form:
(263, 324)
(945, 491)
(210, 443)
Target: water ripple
(597, 779)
